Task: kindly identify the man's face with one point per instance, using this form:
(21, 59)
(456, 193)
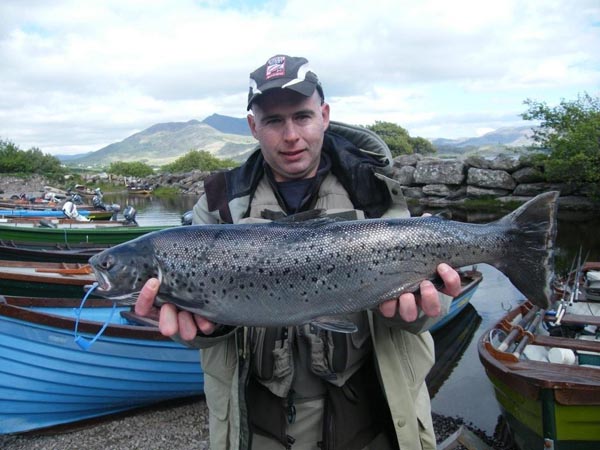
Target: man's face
(290, 128)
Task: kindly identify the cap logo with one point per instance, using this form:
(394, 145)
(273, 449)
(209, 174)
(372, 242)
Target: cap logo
(275, 67)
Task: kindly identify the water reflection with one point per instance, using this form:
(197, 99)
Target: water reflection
(152, 210)
(451, 341)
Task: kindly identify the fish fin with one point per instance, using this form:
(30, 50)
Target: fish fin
(335, 324)
(318, 217)
(304, 216)
(530, 266)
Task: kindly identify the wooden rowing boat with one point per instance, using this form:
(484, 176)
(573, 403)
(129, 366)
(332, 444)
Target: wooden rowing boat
(109, 235)
(545, 370)
(44, 279)
(33, 251)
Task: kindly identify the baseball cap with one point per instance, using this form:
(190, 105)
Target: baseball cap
(284, 72)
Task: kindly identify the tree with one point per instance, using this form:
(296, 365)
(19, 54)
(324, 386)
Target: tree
(198, 160)
(15, 160)
(398, 139)
(130, 169)
(570, 132)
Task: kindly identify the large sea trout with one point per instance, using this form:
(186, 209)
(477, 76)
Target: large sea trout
(278, 274)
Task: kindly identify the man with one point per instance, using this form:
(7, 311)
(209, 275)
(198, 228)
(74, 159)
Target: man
(304, 388)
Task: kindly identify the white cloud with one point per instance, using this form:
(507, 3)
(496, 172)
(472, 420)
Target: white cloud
(79, 75)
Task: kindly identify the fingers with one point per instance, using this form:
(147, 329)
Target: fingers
(430, 299)
(388, 308)
(451, 278)
(407, 307)
(145, 301)
(168, 322)
(206, 326)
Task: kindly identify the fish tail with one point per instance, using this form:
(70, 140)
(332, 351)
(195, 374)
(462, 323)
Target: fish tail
(530, 264)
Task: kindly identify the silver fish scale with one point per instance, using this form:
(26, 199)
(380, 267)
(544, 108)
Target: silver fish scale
(247, 272)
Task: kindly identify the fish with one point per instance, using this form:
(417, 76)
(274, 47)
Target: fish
(285, 273)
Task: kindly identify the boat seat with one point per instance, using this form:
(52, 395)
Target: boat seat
(573, 344)
(579, 319)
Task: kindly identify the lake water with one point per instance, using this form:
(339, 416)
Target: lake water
(466, 392)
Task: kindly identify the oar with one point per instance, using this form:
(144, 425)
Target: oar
(529, 333)
(518, 329)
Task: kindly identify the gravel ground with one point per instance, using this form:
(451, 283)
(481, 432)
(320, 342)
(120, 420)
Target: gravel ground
(179, 426)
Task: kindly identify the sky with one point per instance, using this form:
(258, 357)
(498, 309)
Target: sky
(78, 75)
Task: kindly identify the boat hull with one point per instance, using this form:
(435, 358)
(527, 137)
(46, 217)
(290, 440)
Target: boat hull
(545, 404)
(48, 252)
(44, 279)
(570, 427)
(111, 235)
(46, 379)
(45, 213)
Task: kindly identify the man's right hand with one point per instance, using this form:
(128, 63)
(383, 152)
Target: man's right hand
(171, 320)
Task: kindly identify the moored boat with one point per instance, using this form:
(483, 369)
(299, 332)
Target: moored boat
(44, 279)
(47, 379)
(32, 251)
(470, 280)
(60, 222)
(111, 235)
(92, 214)
(545, 370)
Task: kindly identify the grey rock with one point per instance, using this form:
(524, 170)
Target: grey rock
(404, 175)
(407, 160)
(437, 190)
(413, 192)
(527, 175)
(477, 161)
(487, 178)
(432, 171)
(475, 192)
(510, 163)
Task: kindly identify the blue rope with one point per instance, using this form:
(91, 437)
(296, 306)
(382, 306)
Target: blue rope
(80, 340)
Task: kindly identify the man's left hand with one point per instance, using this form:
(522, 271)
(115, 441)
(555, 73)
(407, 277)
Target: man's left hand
(408, 304)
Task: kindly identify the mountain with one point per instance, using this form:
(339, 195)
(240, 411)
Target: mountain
(229, 125)
(163, 143)
(494, 140)
(229, 137)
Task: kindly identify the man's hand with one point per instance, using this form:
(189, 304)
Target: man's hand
(171, 320)
(407, 304)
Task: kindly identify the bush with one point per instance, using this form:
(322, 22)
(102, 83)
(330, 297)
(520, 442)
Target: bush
(399, 141)
(199, 160)
(130, 169)
(570, 134)
(15, 160)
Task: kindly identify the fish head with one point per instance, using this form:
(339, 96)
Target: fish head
(122, 271)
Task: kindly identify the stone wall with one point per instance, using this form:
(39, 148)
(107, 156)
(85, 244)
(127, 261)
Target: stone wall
(436, 182)
(445, 182)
